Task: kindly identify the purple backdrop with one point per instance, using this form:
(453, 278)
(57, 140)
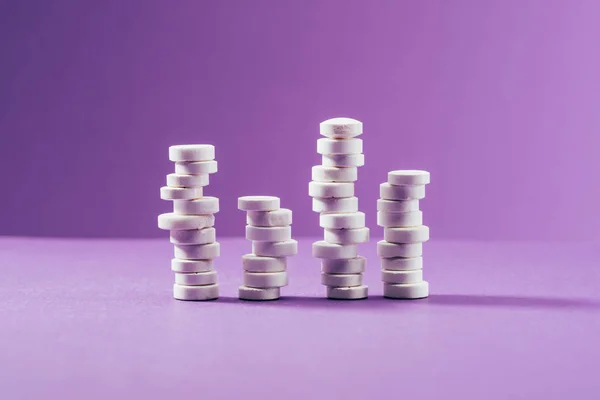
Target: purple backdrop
(498, 99)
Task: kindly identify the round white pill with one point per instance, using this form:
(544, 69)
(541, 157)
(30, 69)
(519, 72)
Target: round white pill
(258, 203)
(397, 205)
(177, 193)
(390, 250)
(341, 128)
(407, 291)
(348, 293)
(346, 266)
(194, 236)
(322, 249)
(202, 206)
(281, 217)
(187, 181)
(413, 234)
(254, 263)
(196, 168)
(408, 177)
(405, 192)
(196, 293)
(188, 266)
(343, 160)
(345, 280)
(347, 236)
(197, 251)
(192, 152)
(402, 277)
(339, 146)
(268, 233)
(399, 220)
(178, 222)
(334, 174)
(196, 278)
(330, 189)
(333, 205)
(402, 263)
(353, 220)
(257, 294)
(275, 249)
(265, 279)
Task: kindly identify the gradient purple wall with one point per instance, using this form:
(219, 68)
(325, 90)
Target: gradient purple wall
(500, 100)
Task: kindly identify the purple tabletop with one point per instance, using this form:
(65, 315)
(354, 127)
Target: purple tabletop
(94, 319)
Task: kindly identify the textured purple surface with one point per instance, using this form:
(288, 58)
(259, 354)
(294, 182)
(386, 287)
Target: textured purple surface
(86, 319)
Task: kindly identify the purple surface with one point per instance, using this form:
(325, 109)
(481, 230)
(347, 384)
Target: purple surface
(84, 319)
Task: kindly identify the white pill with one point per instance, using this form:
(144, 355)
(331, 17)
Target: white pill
(188, 266)
(339, 146)
(192, 152)
(334, 174)
(408, 177)
(348, 293)
(196, 278)
(347, 266)
(254, 263)
(197, 251)
(268, 233)
(399, 220)
(281, 217)
(196, 168)
(343, 160)
(196, 293)
(341, 128)
(402, 263)
(330, 189)
(194, 236)
(413, 234)
(176, 193)
(187, 181)
(347, 236)
(345, 280)
(178, 222)
(265, 279)
(202, 206)
(322, 249)
(390, 250)
(407, 291)
(397, 205)
(405, 192)
(402, 277)
(257, 294)
(333, 205)
(275, 249)
(258, 203)
(353, 220)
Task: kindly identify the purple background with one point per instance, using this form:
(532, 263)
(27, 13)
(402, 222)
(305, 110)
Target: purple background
(498, 99)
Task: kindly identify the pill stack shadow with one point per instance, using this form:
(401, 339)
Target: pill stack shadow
(401, 251)
(191, 224)
(269, 228)
(332, 190)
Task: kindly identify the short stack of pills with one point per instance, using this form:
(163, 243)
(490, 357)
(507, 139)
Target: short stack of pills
(269, 229)
(332, 190)
(404, 234)
(191, 224)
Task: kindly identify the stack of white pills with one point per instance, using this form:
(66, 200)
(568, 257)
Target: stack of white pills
(332, 190)
(269, 229)
(191, 224)
(404, 233)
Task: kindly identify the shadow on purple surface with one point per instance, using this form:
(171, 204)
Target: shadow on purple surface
(512, 301)
(373, 302)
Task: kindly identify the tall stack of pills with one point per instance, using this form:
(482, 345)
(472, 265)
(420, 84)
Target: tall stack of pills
(269, 229)
(332, 190)
(191, 224)
(404, 233)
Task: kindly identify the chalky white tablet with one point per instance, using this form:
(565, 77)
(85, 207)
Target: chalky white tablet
(330, 189)
(196, 293)
(177, 193)
(178, 222)
(402, 263)
(334, 174)
(397, 205)
(187, 181)
(194, 236)
(405, 192)
(196, 168)
(196, 278)
(197, 251)
(343, 160)
(254, 263)
(407, 291)
(355, 265)
(203, 206)
(408, 177)
(265, 279)
(339, 146)
(348, 293)
(346, 280)
(258, 203)
(322, 249)
(192, 152)
(341, 128)
(413, 234)
(399, 220)
(333, 205)
(275, 249)
(390, 250)
(268, 233)
(402, 277)
(258, 294)
(353, 220)
(281, 217)
(189, 266)
(347, 236)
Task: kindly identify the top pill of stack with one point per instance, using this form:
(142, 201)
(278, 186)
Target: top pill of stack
(408, 177)
(341, 128)
(192, 152)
